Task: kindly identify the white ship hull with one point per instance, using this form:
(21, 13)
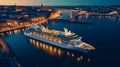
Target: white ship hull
(60, 45)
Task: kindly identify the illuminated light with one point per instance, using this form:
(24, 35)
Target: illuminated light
(54, 50)
(46, 47)
(73, 55)
(37, 44)
(15, 31)
(30, 40)
(40, 44)
(68, 53)
(33, 41)
(81, 57)
(59, 52)
(43, 46)
(113, 12)
(78, 59)
(37, 34)
(89, 59)
(50, 47)
(31, 33)
(10, 32)
(50, 50)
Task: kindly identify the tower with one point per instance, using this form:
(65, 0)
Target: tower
(71, 16)
(15, 4)
(41, 5)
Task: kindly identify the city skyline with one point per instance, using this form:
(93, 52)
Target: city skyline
(61, 2)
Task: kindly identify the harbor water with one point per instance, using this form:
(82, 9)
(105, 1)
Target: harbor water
(103, 34)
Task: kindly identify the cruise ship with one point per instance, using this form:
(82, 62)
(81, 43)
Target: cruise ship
(62, 39)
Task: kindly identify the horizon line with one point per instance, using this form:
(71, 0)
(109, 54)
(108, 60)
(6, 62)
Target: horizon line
(57, 5)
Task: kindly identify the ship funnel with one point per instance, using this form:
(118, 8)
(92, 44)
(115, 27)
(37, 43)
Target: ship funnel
(68, 33)
(65, 30)
(80, 39)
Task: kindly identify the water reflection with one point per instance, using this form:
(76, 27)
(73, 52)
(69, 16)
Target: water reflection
(12, 32)
(3, 46)
(47, 48)
(55, 51)
(100, 17)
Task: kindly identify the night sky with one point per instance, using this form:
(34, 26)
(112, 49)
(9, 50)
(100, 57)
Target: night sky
(60, 2)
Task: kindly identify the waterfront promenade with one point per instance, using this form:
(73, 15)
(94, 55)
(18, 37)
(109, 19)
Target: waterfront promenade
(20, 27)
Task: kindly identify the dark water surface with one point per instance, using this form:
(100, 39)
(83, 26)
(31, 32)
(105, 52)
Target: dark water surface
(103, 34)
